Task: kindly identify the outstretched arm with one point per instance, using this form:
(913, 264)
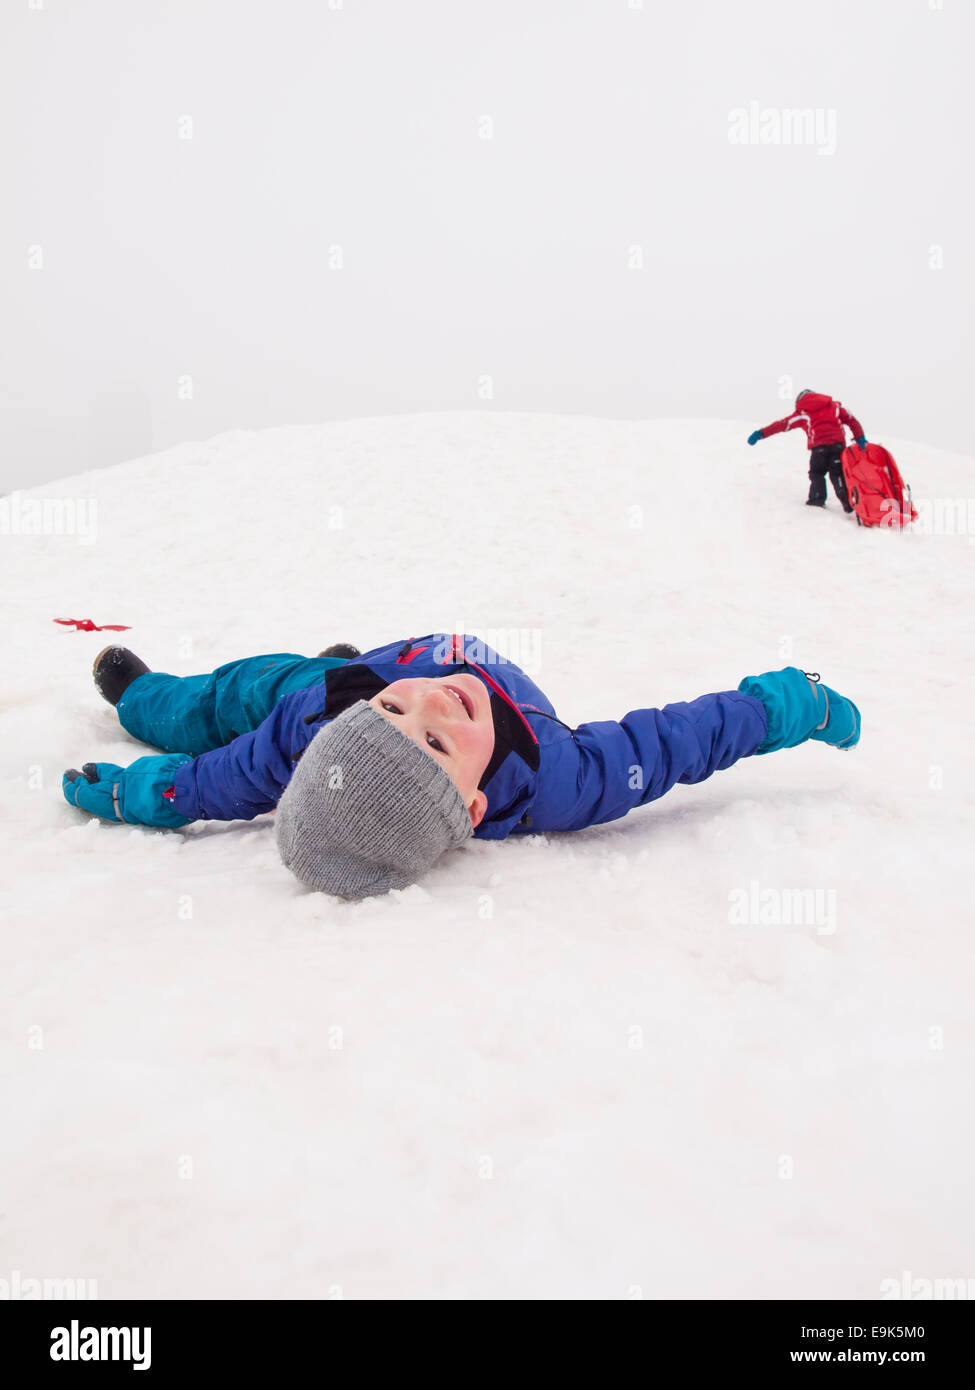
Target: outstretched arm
(247, 777)
(601, 771)
(237, 782)
(788, 422)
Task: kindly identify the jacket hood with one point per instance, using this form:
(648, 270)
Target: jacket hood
(814, 400)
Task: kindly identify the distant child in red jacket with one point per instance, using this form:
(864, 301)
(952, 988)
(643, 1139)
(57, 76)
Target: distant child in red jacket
(823, 419)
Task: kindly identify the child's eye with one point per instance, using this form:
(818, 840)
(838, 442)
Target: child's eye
(391, 707)
(435, 743)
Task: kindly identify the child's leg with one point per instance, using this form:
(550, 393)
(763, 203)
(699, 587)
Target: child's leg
(817, 476)
(836, 476)
(194, 714)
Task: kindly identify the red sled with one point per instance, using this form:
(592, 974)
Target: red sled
(876, 488)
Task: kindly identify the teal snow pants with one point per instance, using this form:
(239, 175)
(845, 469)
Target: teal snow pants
(195, 714)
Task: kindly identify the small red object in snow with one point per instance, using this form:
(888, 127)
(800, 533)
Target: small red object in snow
(86, 625)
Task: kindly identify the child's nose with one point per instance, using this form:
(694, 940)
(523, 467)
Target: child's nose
(442, 701)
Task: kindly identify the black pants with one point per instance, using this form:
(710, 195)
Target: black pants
(825, 458)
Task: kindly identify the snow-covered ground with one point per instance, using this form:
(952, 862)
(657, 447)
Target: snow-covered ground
(561, 1066)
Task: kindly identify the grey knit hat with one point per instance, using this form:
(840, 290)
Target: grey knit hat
(367, 810)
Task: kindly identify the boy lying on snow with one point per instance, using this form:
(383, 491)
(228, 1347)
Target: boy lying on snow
(380, 763)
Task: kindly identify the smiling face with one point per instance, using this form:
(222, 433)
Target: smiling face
(450, 718)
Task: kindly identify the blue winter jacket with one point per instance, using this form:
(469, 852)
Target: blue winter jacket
(553, 777)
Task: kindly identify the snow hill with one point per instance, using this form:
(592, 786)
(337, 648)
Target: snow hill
(559, 1067)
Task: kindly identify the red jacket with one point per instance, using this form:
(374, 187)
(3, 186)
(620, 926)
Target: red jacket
(821, 417)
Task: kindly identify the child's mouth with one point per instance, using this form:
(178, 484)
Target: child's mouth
(465, 700)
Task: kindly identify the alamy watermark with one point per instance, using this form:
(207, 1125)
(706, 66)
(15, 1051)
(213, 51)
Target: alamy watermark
(753, 124)
(520, 645)
(24, 1288)
(756, 906)
(909, 1287)
(49, 516)
(936, 516)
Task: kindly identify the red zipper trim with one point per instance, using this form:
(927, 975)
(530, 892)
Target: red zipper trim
(408, 653)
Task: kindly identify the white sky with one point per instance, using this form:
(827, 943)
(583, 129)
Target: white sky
(357, 125)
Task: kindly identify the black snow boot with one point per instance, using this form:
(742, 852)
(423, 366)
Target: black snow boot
(344, 651)
(114, 670)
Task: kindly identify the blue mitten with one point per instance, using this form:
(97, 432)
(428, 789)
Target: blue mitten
(133, 794)
(755, 436)
(861, 442)
(841, 726)
(798, 708)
